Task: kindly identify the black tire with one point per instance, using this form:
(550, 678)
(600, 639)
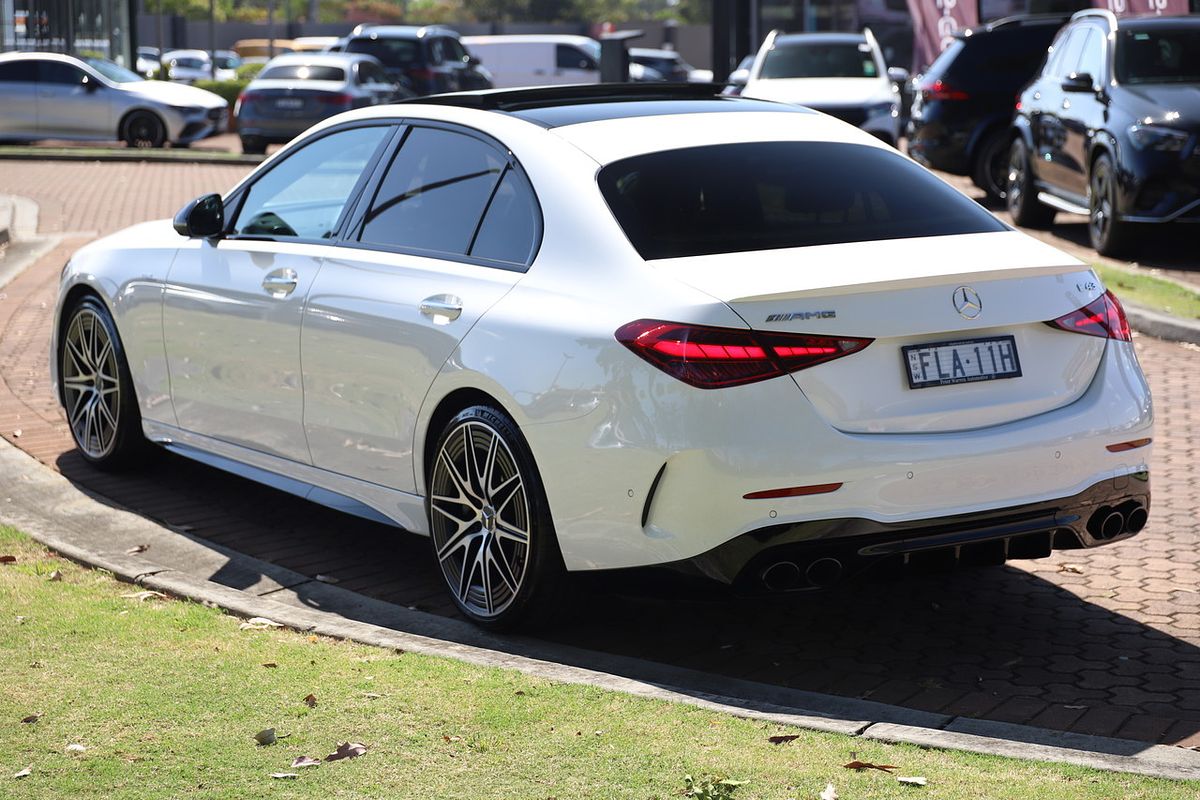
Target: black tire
(144, 129)
(1021, 196)
(253, 146)
(97, 389)
(477, 514)
(1109, 235)
(990, 168)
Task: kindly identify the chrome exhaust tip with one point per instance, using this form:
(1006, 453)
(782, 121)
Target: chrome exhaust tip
(1136, 520)
(824, 572)
(781, 576)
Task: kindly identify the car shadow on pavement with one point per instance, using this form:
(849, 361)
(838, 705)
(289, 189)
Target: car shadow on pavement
(997, 643)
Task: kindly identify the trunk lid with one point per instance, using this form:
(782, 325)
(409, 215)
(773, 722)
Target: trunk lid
(905, 293)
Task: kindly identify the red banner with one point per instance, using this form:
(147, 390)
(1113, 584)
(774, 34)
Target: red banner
(936, 21)
(1127, 8)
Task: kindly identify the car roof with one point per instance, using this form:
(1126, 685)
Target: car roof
(192, 53)
(41, 56)
(806, 38)
(401, 31)
(528, 38)
(328, 59)
(651, 52)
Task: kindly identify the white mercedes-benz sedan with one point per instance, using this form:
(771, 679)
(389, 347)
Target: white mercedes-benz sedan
(588, 328)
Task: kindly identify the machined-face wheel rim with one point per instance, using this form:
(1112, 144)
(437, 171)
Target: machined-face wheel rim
(1016, 178)
(1101, 204)
(91, 384)
(480, 518)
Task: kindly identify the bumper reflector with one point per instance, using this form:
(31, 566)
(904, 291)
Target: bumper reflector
(793, 491)
(1121, 447)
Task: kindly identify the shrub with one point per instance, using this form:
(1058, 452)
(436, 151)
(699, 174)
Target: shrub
(226, 89)
(248, 72)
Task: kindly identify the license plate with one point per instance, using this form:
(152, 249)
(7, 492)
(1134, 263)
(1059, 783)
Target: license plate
(289, 102)
(966, 361)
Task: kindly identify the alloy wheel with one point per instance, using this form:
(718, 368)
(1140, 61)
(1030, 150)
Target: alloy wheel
(1016, 178)
(1101, 211)
(91, 384)
(480, 518)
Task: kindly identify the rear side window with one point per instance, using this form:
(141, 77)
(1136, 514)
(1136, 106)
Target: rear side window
(509, 229)
(765, 195)
(18, 72)
(434, 192)
(390, 52)
(304, 72)
(568, 57)
(60, 73)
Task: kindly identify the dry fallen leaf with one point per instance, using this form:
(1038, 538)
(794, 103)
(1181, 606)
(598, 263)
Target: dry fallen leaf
(311, 701)
(54, 576)
(519, 693)
(17, 433)
(76, 748)
(306, 761)
(136, 549)
(347, 750)
(284, 776)
(783, 738)
(1074, 569)
(32, 718)
(451, 738)
(829, 792)
(265, 737)
(372, 695)
(145, 595)
(25, 773)
(270, 665)
(916, 780)
(856, 764)
(7, 559)
(258, 624)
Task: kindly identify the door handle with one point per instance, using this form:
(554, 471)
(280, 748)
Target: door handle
(280, 283)
(442, 308)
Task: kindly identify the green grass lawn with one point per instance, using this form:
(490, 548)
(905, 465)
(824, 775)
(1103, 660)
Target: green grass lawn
(1150, 292)
(167, 695)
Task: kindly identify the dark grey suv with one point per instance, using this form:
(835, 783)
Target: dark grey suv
(426, 60)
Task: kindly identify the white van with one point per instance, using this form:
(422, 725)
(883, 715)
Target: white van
(542, 59)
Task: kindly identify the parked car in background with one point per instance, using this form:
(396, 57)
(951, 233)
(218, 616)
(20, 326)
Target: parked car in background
(737, 79)
(189, 66)
(840, 74)
(964, 105)
(670, 65)
(53, 96)
(295, 91)
(149, 61)
(1110, 128)
(260, 51)
(544, 59)
(227, 61)
(427, 60)
(314, 44)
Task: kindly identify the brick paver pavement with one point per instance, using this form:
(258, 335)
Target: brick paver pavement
(1104, 641)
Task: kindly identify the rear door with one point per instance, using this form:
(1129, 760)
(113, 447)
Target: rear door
(448, 228)
(1049, 130)
(1084, 113)
(232, 307)
(18, 97)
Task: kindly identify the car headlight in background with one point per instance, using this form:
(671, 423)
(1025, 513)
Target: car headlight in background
(1156, 137)
(189, 111)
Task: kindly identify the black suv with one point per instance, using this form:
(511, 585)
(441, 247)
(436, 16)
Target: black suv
(427, 60)
(1111, 128)
(963, 107)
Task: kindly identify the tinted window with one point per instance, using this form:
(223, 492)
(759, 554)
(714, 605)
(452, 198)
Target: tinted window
(303, 196)
(370, 72)
(819, 60)
(18, 72)
(390, 52)
(433, 193)
(1066, 54)
(1003, 58)
(304, 72)
(1158, 56)
(569, 57)
(58, 72)
(764, 195)
(114, 72)
(454, 51)
(510, 225)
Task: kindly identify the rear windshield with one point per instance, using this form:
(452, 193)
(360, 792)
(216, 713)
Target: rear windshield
(303, 72)
(765, 195)
(1003, 58)
(390, 52)
(820, 60)
(1159, 56)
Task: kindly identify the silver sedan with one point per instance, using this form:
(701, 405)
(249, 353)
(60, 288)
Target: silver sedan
(52, 96)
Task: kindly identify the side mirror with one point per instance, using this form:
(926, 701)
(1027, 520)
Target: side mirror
(90, 84)
(203, 217)
(473, 60)
(897, 75)
(1078, 82)
(739, 77)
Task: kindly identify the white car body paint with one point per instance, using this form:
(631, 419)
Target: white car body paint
(602, 423)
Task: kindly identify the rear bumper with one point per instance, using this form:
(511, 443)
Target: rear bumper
(275, 131)
(814, 555)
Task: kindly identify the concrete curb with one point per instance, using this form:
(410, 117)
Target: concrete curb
(88, 529)
(1162, 326)
(173, 156)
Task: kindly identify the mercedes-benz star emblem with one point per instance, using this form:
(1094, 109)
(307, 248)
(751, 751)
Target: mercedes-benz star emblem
(967, 302)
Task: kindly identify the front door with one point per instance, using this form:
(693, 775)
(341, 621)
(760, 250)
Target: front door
(18, 98)
(232, 308)
(73, 104)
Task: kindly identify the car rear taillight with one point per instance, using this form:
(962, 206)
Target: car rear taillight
(1102, 317)
(340, 99)
(243, 99)
(420, 75)
(940, 90)
(712, 358)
